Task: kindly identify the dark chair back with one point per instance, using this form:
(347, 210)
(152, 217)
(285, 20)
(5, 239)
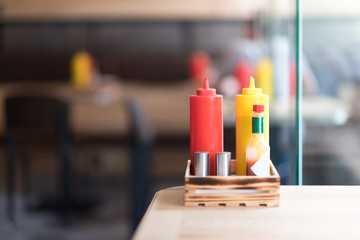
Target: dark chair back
(33, 118)
(141, 141)
(43, 120)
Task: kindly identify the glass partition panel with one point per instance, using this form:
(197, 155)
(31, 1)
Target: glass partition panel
(331, 44)
(267, 51)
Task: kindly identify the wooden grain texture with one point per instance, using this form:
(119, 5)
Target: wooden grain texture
(306, 212)
(130, 9)
(249, 191)
(170, 9)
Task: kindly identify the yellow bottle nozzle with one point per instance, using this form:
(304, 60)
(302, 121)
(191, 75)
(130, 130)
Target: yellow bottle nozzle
(252, 82)
(252, 90)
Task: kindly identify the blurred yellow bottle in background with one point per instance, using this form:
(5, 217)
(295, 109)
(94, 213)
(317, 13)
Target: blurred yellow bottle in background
(81, 69)
(264, 76)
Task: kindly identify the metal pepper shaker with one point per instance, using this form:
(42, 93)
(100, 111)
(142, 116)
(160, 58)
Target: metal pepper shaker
(223, 163)
(201, 164)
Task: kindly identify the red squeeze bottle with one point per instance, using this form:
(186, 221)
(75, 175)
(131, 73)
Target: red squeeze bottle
(206, 124)
(243, 72)
(199, 64)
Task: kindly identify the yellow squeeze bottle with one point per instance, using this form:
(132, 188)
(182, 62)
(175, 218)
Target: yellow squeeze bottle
(244, 110)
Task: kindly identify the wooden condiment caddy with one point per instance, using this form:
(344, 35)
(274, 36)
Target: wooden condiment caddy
(232, 191)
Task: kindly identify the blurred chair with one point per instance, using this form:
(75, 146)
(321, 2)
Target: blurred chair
(141, 140)
(37, 121)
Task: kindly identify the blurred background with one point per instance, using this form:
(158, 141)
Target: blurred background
(94, 97)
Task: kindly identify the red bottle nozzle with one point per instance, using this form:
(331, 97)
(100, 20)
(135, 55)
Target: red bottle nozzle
(206, 83)
(258, 108)
(206, 90)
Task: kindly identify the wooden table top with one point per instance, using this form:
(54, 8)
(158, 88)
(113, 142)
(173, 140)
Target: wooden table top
(305, 212)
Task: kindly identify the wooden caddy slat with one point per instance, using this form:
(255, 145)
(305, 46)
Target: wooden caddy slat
(232, 191)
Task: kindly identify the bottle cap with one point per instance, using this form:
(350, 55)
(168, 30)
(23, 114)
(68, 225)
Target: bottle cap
(223, 161)
(206, 90)
(201, 164)
(258, 108)
(252, 90)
